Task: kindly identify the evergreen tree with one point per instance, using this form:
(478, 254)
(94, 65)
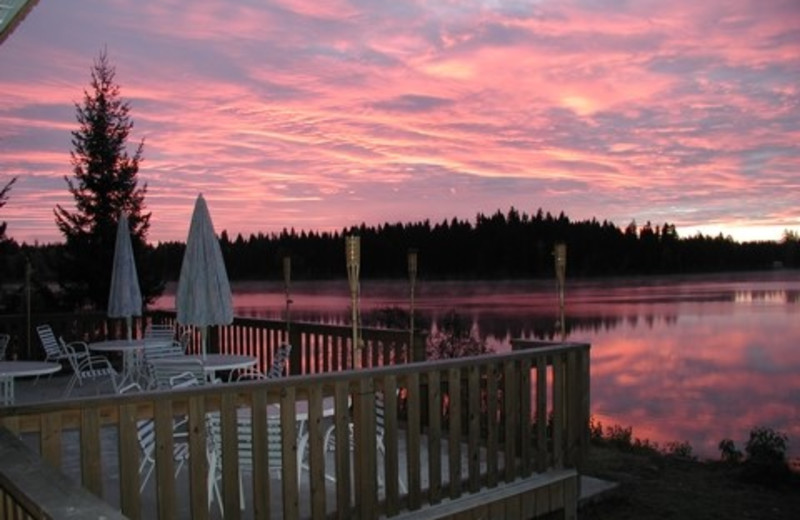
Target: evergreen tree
(104, 184)
(4, 192)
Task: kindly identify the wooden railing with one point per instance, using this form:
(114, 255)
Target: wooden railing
(31, 489)
(316, 349)
(453, 429)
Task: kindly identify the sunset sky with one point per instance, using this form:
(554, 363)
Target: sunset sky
(317, 115)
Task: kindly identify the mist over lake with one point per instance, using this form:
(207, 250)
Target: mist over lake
(695, 358)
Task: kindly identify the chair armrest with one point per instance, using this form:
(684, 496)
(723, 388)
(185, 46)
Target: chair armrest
(76, 348)
(94, 363)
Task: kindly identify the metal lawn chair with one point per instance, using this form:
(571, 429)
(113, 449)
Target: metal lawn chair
(53, 352)
(145, 432)
(279, 366)
(168, 372)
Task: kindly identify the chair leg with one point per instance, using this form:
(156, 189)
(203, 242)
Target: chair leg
(400, 482)
(71, 385)
(213, 485)
(146, 476)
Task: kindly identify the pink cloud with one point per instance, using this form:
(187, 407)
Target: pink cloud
(300, 107)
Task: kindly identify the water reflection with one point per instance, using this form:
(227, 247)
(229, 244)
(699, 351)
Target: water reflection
(692, 360)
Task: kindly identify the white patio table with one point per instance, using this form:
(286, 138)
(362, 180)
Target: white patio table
(131, 350)
(10, 370)
(213, 363)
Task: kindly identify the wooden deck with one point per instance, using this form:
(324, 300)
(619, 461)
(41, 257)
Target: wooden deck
(460, 435)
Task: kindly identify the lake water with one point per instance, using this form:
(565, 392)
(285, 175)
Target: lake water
(694, 359)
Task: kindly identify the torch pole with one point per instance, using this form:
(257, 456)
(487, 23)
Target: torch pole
(353, 257)
(412, 278)
(560, 253)
(28, 272)
(287, 279)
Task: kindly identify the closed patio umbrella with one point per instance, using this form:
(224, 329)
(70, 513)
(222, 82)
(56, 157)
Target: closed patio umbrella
(204, 295)
(124, 296)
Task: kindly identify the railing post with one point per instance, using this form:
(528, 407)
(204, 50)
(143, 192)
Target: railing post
(417, 349)
(212, 345)
(296, 355)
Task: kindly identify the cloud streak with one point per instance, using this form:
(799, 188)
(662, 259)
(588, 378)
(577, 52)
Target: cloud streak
(295, 114)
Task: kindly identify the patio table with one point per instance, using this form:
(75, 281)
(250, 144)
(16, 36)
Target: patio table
(131, 350)
(213, 363)
(10, 370)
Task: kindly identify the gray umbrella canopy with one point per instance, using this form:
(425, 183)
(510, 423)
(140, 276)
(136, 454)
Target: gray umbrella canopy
(204, 294)
(124, 296)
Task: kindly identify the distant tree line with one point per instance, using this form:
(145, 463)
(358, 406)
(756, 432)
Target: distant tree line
(499, 246)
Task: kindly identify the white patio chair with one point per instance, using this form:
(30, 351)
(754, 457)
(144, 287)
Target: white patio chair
(244, 432)
(160, 331)
(278, 368)
(52, 346)
(145, 432)
(157, 348)
(4, 340)
(86, 366)
(329, 439)
(280, 361)
(168, 372)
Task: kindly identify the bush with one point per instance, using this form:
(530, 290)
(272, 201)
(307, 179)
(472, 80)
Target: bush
(680, 449)
(767, 446)
(729, 452)
(766, 461)
(455, 338)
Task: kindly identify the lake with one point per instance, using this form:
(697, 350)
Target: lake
(694, 358)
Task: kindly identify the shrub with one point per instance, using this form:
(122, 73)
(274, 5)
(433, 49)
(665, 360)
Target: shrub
(729, 452)
(681, 449)
(620, 437)
(595, 430)
(455, 338)
(767, 446)
(766, 457)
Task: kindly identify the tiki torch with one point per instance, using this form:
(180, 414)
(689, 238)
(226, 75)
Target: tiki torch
(412, 278)
(560, 253)
(287, 279)
(353, 257)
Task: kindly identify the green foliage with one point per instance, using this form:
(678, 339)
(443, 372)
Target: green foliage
(104, 184)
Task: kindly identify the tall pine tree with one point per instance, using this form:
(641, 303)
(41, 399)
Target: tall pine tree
(104, 184)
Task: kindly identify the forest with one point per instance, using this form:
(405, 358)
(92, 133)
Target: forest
(499, 246)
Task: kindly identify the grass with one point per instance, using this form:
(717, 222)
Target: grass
(661, 484)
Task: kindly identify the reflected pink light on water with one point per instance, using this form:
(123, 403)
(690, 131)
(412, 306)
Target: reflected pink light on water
(693, 361)
(709, 376)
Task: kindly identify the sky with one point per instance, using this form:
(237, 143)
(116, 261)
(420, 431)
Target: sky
(312, 115)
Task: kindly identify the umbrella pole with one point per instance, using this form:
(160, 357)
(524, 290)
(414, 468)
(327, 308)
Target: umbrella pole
(203, 339)
(128, 325)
